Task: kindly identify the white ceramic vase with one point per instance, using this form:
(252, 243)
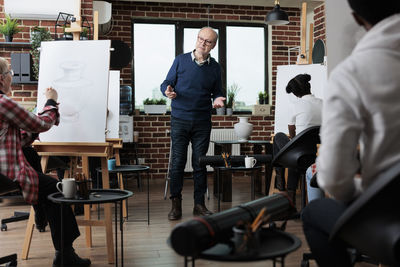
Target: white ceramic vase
(243, 128)
(72, 90)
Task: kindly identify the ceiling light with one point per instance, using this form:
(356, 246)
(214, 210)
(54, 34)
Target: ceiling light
(277, 16)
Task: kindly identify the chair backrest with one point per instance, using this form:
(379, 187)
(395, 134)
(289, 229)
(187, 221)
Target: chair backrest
(7, 185)
(371, 224)
(300, 152)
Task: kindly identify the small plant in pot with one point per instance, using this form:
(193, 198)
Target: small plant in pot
(231, 95)
(84, 34)
(67, 35)
(38, 34)
(9, 27)
(155, 106)
(261, 98)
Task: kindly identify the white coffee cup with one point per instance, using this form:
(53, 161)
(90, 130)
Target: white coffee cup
(249, 162)
(68, 187)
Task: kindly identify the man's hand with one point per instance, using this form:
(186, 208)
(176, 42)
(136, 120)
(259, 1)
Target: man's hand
(51, 93)
(170, 92)
(219, 102)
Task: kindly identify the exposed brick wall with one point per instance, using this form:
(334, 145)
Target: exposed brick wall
(25, 92)
(153, 140)
(283, 37)
(319, 23)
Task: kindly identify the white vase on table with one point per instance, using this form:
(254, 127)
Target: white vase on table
(243, 128)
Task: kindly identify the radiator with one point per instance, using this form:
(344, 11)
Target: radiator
(216, 135)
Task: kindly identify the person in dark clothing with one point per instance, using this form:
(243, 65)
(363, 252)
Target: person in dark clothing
(193, 79)
(306, 113)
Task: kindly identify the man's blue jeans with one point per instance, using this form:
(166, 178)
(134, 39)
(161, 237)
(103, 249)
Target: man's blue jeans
(183, 132)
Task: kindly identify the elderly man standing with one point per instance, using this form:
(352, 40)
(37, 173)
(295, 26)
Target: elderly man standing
(193, 79)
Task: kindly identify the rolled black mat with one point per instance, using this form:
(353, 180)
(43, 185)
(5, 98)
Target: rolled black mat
(190, 238)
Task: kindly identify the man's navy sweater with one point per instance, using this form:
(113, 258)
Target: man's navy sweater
(194, 86)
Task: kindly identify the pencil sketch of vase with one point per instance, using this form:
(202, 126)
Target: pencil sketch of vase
(72, 90)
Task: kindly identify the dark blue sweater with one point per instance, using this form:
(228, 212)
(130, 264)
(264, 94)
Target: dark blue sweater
(194, 86)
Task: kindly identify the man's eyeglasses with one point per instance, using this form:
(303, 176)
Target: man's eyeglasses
(202, 40)
(10, 71)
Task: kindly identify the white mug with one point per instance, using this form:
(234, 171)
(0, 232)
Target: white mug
(68, 187)
(249, 162)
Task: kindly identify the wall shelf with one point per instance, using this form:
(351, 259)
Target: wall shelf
(27, 82)
(15, 44)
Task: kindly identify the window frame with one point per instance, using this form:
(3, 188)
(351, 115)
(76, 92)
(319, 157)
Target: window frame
(180, 25)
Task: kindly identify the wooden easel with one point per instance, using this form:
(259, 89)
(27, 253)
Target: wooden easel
(117, 145)
(303, 58)
(83, 150)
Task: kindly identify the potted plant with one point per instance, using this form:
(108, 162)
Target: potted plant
(67, 35)
(261, 98)
(231, 95)
(155, 106)
(9, 27)
(38, 34)
(84, 34)
(262, 108)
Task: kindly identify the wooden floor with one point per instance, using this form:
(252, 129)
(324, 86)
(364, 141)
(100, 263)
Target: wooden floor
(144, 245)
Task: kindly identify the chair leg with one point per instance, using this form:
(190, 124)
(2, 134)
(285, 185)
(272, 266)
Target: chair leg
(28, 234)
(166, 188)
(303, 189)
(10, 260)
(18, 216)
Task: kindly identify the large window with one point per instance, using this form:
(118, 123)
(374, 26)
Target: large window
(154, 52)
(241, 52)
(245, 66)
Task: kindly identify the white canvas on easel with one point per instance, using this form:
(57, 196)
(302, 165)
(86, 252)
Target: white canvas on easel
(79, 71)
(113, 105)
(284, 102)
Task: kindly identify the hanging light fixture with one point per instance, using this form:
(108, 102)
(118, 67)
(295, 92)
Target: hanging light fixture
(277, 16)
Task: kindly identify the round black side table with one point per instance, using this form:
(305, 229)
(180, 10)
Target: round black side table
(133, 169)
(97, 196)
(232, 170)
(274, 245)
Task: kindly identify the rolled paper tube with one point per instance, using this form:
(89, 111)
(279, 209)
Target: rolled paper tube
(192, 237)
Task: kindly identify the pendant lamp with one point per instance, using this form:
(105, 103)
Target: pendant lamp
(277, 16)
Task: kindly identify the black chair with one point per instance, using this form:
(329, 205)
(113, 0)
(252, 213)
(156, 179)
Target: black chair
(299, 154)
(10, 189)
(371, 224)
(8, 186)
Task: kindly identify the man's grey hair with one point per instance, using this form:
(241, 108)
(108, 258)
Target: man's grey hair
(3, 65)
(216, 34)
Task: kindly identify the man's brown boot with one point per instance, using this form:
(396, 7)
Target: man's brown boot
(176, 210)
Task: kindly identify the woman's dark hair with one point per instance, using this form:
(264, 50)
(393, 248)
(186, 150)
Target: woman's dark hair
(299, 85)
(374, 11)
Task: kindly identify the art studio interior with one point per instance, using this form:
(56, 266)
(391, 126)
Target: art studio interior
(178, 132)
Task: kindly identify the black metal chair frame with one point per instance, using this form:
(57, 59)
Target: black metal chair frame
(299, 154)
(371, 224)
(10, 189)
(8, 186)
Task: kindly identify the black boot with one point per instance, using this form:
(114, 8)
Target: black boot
(176, 210)
(70, 259)
(40, 218)
(201, 210)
